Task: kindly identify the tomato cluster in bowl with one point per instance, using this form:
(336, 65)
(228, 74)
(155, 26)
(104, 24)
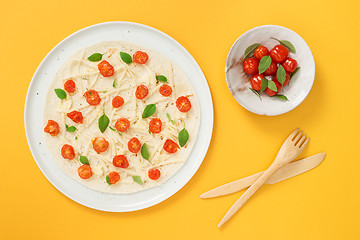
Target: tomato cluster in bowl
(270, 70)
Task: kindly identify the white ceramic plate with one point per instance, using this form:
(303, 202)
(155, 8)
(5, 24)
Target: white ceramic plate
(300, 85)
(35, 100)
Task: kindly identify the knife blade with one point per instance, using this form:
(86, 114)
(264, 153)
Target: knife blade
(290, 170)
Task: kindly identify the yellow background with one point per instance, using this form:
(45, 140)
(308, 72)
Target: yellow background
(321, 204)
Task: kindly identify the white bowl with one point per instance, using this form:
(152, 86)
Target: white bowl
(300, 84)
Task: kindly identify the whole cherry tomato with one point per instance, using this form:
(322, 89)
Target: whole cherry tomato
(140, 57)
(155, 125)
(134, 145)
(251, 66)
(289, 65)
(271, 70)
(84, 171)
(67, 152)
(120, 161)
(154, 173)
(279, 53)
(52, 128)
(287, 79)
(114, 177)
(69, 86)
(92, 97)
(106, 69)
(76, 116)
(165, 90)
(122, 124)
(141, 92)
(183, 104)
(260, 52)
(255, 81)
(117, 102)
(271, 92)
(170, 146)
(100, 144)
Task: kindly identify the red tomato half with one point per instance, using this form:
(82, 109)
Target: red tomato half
(154, 173)
(165, 90)
(92, 97)
(251, 66)
(170, 146)
(155, 125)
(67, 152)
(76, 116)
(134, 145)
(120, 161)
(114, 177)
(52, 128)
(279, 53)
(255, 81)
(289, 65)
(106, 69)
(141, 92)
(100, 144)
(117, 102)
(140, 57)
(183, 104)
(271, 92)
(271, 70)
(260, 52)
(69, 86)
(84, 171)
(122, 124)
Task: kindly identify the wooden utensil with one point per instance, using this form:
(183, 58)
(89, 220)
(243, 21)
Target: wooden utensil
(291, 148)
(289, 170)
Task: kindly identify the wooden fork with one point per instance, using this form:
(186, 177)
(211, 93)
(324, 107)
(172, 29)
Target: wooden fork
(291, 148)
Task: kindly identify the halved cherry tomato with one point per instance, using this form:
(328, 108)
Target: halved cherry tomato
(67, 151)
(251, 66)
(183, 104)
(255, 81)
(52, 127)
(271, 92)
(122, 124)
(117, 102)
(289, 65)
(76, 116)
(120, 161)
(287, 79)
(69, 86)
(155, 125)
(170, 146)
(140, 57)
(154, 173)
(114, 177)
(260, 52)
(165, 90)
(279, 53)
(141, 92)
(271, 70)
(106, 69)
(134, 145)
(100, 144)
(92, 97)
(84, 171)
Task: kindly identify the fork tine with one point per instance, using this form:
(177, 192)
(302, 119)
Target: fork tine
(297, 137)
(293, 134)
(303, 145)
(301, 140)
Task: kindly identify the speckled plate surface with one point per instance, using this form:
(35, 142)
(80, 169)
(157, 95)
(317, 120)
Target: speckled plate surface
(239, 82)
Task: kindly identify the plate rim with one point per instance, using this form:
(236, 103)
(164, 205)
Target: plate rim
(204, 143)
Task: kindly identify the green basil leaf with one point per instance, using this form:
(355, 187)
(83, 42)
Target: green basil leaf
(137, 179)
(183, 137)
(126, 57)
(255, 92)
(293, 73)
(264, 84)
(281, 74)
(60, 93)
(168, 116)
(103, 123)
(149, 131)
(114, 83)
(249, 52)
(112, 129)
(108, 179)
(70, 128)
(287, 44)
(95, 57)
(161, 78)
(84, 160)
(264, 63)
(145, 152)
(149, 110)
(173, 122)
(76, 138)
(282, 97)
(272, 86)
